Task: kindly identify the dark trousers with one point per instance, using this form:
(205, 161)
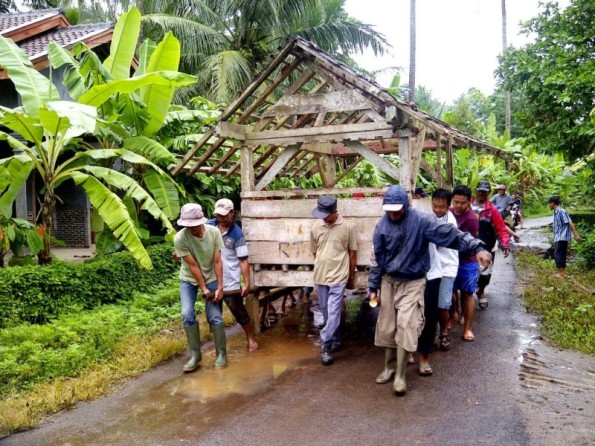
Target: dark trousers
(425, 343)
(560, 253)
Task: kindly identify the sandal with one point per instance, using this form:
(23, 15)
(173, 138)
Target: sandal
(483, 302)
(425, 370)
(445, 343)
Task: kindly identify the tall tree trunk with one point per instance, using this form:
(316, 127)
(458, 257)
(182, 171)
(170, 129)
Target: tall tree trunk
(504, 46)
(412, 51)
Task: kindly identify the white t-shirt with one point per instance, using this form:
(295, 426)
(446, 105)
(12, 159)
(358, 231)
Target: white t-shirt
(449, 258)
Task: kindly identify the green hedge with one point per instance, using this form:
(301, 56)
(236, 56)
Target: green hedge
(37, 294)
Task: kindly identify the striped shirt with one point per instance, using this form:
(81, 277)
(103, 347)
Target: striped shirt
(562, 225)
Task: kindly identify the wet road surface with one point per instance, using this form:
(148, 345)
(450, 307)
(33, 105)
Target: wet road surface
(507, 387)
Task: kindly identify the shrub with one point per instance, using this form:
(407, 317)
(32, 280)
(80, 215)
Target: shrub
(38, 294)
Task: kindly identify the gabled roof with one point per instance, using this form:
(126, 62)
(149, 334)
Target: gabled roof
(306, 105)
(33, 31)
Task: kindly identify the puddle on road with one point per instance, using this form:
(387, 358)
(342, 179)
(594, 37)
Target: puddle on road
(247, 373)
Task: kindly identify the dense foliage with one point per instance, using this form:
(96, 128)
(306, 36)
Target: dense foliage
(31, 354)
(555, 75)
(39, 294)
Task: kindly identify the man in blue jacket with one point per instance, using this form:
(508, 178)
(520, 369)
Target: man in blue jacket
(401, 241)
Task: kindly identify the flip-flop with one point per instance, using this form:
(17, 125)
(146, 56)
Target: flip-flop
(468, 338)
(425, 370)
(483, 303)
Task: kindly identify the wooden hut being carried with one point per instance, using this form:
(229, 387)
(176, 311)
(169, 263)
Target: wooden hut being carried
(308, 114)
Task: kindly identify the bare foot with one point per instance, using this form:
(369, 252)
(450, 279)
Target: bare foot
(468, 336)
(252, 345)
(410, 359)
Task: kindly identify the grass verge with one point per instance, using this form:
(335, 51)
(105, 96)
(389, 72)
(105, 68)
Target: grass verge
(136, 351)
(566, 307)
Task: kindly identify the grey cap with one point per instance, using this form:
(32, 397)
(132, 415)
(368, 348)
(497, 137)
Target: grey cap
(327, 204)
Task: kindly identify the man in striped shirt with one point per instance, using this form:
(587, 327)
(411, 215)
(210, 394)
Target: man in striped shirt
(563, 231)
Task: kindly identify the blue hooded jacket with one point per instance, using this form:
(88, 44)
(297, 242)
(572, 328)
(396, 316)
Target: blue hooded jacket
(401, 247)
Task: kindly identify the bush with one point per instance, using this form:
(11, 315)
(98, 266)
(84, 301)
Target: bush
(32, 354)
(586, 249)
(37, 294)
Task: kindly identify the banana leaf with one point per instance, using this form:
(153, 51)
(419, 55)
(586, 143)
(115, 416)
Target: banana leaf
(35, 89)
(158, 97)
(114, 214)
(16, 120)
(123, 44)
(101, 93)
(13, 178)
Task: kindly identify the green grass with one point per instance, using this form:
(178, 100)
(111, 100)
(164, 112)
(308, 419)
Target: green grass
(566, 307)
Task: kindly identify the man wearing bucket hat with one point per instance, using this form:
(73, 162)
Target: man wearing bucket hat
(334, 246)
(199, 247)
(234, 255)
(401, 239)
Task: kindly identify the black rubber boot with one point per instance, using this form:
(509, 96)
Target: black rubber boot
(193, 336)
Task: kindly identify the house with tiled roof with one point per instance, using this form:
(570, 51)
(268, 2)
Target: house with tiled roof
(32, 32)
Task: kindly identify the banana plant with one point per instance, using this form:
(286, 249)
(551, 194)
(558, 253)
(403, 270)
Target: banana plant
(130, 116)
(52, 142)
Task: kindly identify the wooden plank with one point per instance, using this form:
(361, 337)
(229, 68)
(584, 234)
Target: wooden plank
(326, 168)
(276, 167)
(278, 253)
(405, 158)
(247, 171)
(375, 159)
(286, 194)
(440, 181)
(449, 164)
(309, 131)
(416, 156)
(293, 230)
(348, 207)
(295, 278)
(333, 101)
(230, 130)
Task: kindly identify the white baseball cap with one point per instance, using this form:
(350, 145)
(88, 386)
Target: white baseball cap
(223, 206)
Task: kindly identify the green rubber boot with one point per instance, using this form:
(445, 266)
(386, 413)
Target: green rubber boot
(390, 366)
(193, 336)
(220, 345)
(399, 384)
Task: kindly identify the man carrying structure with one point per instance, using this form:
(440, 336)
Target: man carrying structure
(491, 229)
(199, 247)
(234, 255)
(400, 241)
(563, 227)
(334, 246)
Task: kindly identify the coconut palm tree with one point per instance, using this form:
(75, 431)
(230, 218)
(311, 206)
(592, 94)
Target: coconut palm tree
(225, 42)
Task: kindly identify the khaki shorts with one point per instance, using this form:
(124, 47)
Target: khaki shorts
(401, 317)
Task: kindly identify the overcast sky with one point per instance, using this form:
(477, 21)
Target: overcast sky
(458, 41)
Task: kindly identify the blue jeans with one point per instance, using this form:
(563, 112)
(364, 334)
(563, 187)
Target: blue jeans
(188, 292)
(445, 295)
(330, 299)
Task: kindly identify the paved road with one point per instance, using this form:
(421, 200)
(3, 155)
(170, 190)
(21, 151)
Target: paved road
(505, 388)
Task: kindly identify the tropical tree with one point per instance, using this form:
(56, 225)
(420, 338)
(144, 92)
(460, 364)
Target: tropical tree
(55, 147)
(16, 234)
(556, 77)
(225, 42)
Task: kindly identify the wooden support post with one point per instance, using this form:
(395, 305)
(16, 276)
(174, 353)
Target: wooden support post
(252, 306)
(247, 170)
(416, 156)
(405, 159)
(449, 164)
(439, 160)
(326, 168)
